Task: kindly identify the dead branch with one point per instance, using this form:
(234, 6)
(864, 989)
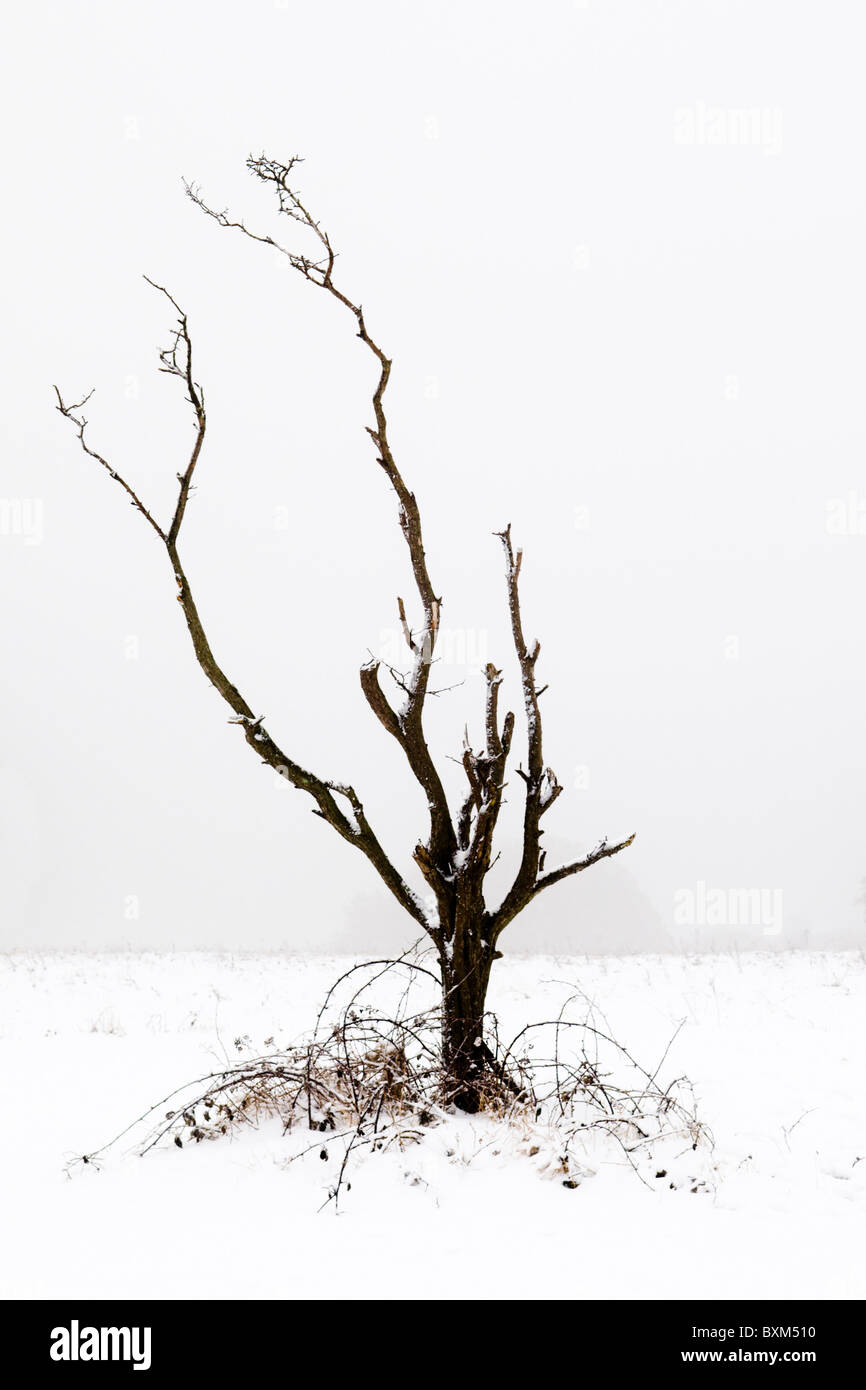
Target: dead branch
(406, 724)
(354, 828)
(540, 782)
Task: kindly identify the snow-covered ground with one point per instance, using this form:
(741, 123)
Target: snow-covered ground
(774, 1044)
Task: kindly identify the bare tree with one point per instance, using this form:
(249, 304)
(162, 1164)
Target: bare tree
(454, 854)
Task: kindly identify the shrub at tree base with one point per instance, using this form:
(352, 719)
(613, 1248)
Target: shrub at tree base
(370, 1077)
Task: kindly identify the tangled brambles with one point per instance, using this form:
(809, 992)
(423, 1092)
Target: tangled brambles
(563, 1092)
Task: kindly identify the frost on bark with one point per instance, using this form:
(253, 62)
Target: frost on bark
(455, 851)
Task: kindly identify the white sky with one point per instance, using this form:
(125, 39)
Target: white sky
(621, 319)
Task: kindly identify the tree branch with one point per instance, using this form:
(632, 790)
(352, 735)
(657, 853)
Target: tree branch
(541, 785)
(406, 724)
(485, 773)
(81, 424)
(354, 828)
(181, 366)
(601, 851)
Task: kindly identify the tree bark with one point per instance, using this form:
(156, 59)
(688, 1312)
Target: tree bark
(465, 1055)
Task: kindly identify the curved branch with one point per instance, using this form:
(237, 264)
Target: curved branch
(376, 699)
(409, 727)
(514, 904)
(602, 851)
(182, 367)
(354, 828)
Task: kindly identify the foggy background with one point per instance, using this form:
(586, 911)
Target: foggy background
(616, 253)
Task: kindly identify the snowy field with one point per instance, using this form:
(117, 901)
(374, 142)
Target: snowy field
(775, 1046)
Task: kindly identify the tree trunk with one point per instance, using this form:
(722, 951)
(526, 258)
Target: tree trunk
(465, 1055)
